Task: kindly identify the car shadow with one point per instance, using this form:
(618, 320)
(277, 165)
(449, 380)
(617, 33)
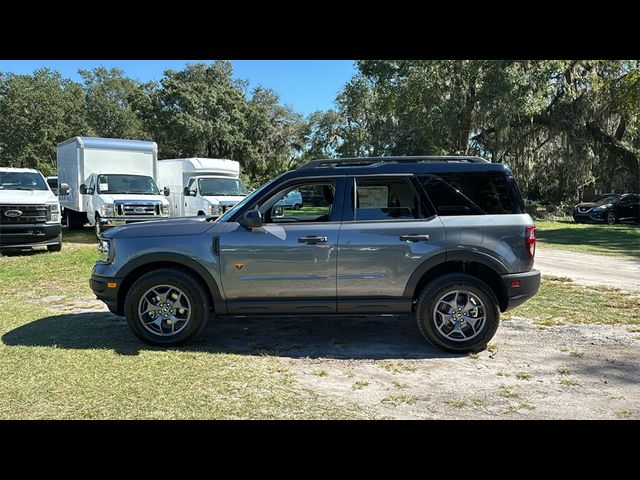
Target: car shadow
(300, 337)
(25, 252)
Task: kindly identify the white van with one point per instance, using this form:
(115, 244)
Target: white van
(29, 210)
(112, 182)
(201, 186)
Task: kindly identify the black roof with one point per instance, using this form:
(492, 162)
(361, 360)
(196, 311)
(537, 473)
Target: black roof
(395, 165)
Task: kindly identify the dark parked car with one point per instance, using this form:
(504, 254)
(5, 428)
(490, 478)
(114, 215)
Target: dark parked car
(610, 208)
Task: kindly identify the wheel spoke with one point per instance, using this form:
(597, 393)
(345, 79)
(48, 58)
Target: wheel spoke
(162, 304)
(459, 315)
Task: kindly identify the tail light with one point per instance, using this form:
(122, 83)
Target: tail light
(530, 240)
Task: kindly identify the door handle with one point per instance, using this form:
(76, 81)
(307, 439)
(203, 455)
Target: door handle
(312, 240)
(414, 237)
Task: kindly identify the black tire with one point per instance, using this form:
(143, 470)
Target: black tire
(297, 206)
(611, 217)
(192, 288)
(55, 248)
(98, 225)
(457, 281)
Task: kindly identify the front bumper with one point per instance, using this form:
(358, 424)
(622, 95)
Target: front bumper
(529, 283)
(591, 216)
(105, 291)
(109, 222)
(26, 236)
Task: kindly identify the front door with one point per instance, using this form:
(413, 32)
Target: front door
(191, 202)
(88, 198)
(388, 232)
(289, 264)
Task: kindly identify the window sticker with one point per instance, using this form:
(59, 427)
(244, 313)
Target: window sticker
(373, 197)
(104, 186)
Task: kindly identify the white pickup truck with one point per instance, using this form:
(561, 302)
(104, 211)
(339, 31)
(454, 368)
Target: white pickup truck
(112, 182)
(29, 210)
(201, 186)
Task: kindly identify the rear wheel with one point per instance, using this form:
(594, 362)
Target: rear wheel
(612, 218)
(166, 307)
(458, 313)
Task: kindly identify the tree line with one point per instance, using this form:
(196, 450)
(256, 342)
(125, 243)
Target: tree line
(558, 124)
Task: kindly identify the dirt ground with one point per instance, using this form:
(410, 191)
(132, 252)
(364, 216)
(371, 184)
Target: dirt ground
(589, 269)
(383, 365)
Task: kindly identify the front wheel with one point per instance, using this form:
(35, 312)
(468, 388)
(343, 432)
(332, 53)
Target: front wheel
(98, 226)
(611, 218)
(458, 313)
(55, 248)
(166, 307)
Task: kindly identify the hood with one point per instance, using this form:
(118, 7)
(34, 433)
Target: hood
(224, 199)
(27, 197)
(162, 228)
(122, 197)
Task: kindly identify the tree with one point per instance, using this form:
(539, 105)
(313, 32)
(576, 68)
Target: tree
(36, 113)
(109, 104)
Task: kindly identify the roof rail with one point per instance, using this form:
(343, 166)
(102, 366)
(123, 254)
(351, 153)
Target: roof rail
(371, 161)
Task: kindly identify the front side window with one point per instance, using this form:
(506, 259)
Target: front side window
(304, 202)
(386, 199)
(127, 184)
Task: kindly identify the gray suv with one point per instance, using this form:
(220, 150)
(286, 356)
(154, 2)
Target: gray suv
(444, 238)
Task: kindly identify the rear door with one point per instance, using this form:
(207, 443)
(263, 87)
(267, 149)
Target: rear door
(389, 229)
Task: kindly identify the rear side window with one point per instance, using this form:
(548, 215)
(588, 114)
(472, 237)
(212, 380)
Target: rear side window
(474, 193)
(387, 199)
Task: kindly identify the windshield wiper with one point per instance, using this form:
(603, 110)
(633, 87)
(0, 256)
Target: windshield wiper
(22, 188)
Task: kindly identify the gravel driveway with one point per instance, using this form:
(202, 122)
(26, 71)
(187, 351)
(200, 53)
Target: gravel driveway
(383, 365)
(589, 269)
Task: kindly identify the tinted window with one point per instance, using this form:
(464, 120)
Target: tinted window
(221, 187)
(386, 199)
(474, 193)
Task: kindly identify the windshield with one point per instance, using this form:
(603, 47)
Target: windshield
(221, 187)
(22, 181)
(606, 199)
(229, 213)
(140, 184)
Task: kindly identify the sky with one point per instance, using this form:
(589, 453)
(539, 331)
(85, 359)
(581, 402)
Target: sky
(306, 85)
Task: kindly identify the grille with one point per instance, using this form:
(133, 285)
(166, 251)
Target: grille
(31, 214)
(137, 210)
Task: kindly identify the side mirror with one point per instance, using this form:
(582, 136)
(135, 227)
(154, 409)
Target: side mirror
(83, 189)
(189, 193)
(166, 191)
(252, 219)
(63, 189)
(277, 211)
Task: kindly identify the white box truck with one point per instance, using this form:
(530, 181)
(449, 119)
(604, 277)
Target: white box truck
(111, 182)
(201, 186)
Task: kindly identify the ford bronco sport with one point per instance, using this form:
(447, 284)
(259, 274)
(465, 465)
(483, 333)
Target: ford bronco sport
(444, 238)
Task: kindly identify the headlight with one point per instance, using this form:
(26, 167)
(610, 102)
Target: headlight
(54, 210)
(106, 210)
(104, 251)
(165, 209)
(214, 210)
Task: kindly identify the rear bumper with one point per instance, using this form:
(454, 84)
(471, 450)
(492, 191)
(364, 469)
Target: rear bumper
(528, 287)
(107, 294)
(26, 236)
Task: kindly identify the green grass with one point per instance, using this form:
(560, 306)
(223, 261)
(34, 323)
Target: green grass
(396, 400)
(359, 385)
(621, 240)
(561, 301)
(396, 366)
(56, 365)
(456, 403)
